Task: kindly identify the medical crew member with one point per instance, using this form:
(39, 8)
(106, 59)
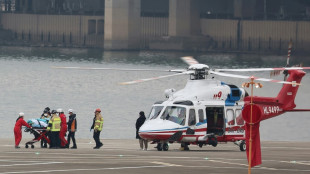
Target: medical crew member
(54, 128)
(18, 128)
(72, 126)
(63, 129)
(97, 126)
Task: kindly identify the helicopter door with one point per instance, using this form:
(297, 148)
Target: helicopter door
(215, 120)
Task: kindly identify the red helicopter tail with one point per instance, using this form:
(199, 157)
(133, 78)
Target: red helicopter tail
(288, 92)
(285, 99)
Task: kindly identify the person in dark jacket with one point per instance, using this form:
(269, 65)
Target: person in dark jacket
(45, 115)
(72, 126)
(140, 121)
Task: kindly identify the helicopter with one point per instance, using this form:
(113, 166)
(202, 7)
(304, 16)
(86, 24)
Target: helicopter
(208, 111)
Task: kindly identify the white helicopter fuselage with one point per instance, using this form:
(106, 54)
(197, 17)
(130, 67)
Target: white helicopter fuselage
(204, 107)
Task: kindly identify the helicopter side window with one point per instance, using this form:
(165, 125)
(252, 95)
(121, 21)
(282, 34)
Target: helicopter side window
(230, 117)
(192, 117)
(239, 118)
(155, 112)
(175, 114)
(201, 116)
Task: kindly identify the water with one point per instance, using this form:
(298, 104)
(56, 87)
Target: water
(28, 84)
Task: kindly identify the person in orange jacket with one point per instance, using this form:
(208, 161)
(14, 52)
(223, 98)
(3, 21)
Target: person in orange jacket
(18, 128)
(72, 126)
(63, 129)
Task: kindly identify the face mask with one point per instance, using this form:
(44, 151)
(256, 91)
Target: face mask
(45, 115)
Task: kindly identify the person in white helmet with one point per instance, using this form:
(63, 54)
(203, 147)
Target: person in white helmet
(18, 128)
(72, 126)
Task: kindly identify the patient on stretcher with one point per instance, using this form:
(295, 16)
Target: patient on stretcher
(38, 123)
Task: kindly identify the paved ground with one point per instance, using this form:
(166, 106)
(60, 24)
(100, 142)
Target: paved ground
(123, 156)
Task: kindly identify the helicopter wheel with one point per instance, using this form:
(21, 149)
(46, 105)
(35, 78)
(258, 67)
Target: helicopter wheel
(159, 147)
(165, 147)
(242, 146)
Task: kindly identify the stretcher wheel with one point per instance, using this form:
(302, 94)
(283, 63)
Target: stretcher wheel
(26, 146)
(32, 146)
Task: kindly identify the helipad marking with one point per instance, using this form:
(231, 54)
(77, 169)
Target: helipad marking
(296, 162)
(165, 164)
(71, 170)
(30, 164)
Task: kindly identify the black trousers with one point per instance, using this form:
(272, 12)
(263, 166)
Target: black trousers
(55, 140)
(97, 138)
(71, 135)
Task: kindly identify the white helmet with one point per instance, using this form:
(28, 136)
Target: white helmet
(60, 110)
(70, 111)
(21, 114)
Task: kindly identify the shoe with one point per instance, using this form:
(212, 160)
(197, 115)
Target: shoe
(17, 147)
(100, 145)
(145, 149)
(95, 147)
(73, 147)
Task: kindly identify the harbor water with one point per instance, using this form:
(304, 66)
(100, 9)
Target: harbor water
(29, 83)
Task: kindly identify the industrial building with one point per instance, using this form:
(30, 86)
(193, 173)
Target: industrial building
(194, 25)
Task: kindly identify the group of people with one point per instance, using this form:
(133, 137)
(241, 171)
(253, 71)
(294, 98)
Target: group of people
(57, 128)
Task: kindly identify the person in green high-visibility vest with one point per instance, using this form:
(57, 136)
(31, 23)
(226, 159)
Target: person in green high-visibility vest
(97, 126)
(54, 128)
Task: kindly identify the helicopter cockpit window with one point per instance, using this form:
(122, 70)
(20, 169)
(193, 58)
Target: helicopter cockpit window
(155, 112)
(175, 114)
(192, 117)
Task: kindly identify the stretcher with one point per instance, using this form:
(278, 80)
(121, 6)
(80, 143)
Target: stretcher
(38, 130)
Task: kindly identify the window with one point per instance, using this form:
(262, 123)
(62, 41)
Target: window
(155, 112)
(230, 117)
(100, 27)
(239, 118)
(192, 117)
(175, 114)
(201, 116)
(91, 26)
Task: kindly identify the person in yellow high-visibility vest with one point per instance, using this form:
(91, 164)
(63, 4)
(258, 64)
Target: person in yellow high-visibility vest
(97, 126)
(54, 128)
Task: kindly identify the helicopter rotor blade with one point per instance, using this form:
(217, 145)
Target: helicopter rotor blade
(189, 60)
(260, 69)
(155, 78)
(249, 77)
(120, 69)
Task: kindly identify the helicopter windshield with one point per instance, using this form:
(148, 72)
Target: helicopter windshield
(155, 112)
(175, 114)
